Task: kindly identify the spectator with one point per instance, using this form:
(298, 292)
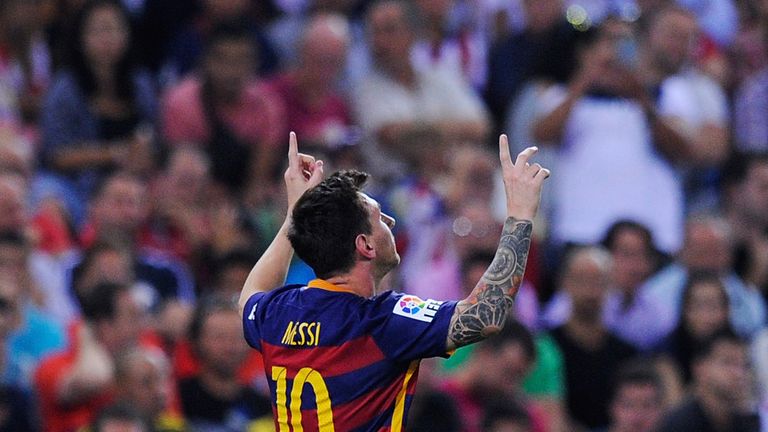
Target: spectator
(721, 392)
(119, 213)
(97, 111)
(745, 199)
(605, 104)
(15, 400)
(630, 315)
(316, 110)
(590, 350)
(637, 399)
(191, 220)
(73, 385)
(228, 113)
(410, 116)
(144, 382)
(157, 281)
(35, 334)
(495, 373)
(692, 103)
(704, 313)
(118, 208)
(214, 398)
(708, 247)
(231, 272)
(25, 62)
(187, 47)
(543, 48)
(182, 199)
(448, 42)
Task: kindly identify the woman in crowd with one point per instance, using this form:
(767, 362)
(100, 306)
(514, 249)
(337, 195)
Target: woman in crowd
(100, 106)
(704, 312)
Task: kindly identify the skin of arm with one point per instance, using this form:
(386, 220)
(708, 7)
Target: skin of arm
(549, 129)
(484, 312)
(92, 372)
(303, 173)
(78, 157)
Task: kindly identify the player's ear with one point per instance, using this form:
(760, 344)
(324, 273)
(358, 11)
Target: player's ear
(364, 246)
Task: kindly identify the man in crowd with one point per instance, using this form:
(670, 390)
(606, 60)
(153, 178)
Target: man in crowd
(722, 391)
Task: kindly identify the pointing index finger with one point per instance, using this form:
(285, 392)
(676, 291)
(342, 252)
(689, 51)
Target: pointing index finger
(504, 156)
(293, 151)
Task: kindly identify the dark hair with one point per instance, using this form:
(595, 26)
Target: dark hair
(626, 224)
(233, 30)
(512, 333)
(118, 411)
(79, 62)
(737, 167)
(13, 238)
(112, 243)
(206, 307)
(507, 410)
(235, 258)
(326, 221)
(637, 372)
(476, 257)
(100, 303)
(617, 227)
(703, 349)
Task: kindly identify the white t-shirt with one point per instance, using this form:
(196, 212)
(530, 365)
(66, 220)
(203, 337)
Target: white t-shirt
(694, 98)
(437, 96)
(608, 169)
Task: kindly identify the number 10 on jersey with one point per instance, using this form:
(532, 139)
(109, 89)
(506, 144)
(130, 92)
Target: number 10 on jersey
(322, 399)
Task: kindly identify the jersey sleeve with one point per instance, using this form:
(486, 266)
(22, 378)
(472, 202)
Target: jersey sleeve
(251, 321)
(407, 327)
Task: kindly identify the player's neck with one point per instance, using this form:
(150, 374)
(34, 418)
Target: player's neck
(359, 279)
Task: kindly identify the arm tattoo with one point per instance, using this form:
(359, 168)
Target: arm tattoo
(486, 309)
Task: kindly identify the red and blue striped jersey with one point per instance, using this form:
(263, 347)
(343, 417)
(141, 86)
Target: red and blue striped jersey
(336, 361)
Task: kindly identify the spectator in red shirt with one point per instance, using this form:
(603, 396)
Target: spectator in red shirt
(75, 384)
(315, 109)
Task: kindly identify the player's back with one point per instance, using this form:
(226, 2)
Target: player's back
(337, 361)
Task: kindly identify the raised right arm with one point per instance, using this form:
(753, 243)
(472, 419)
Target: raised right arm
(485, 310)
(271, 269)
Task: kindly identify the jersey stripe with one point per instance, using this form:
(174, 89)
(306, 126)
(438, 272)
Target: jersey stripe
(397, 415)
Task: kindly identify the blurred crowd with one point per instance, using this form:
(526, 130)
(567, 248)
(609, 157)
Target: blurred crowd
(142, 144)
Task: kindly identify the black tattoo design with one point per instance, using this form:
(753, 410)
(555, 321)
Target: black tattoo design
(486, 310)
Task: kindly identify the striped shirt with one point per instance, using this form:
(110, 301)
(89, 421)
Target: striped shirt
(336, 361)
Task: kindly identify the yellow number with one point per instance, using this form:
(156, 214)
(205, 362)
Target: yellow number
(322, 399)
(278, 375)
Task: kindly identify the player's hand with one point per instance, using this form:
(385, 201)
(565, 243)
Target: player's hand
(303, 172)
(522, 181)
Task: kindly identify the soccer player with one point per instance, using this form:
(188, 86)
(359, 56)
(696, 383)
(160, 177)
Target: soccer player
(339, 355)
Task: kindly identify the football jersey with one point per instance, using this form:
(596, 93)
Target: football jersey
(336, 361)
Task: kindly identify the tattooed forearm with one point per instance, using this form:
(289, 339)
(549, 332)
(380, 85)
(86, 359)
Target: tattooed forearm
(485, 310)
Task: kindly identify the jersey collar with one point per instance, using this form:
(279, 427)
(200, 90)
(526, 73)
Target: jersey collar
(325, 285)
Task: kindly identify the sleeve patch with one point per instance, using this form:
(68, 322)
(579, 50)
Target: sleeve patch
(415, 308)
